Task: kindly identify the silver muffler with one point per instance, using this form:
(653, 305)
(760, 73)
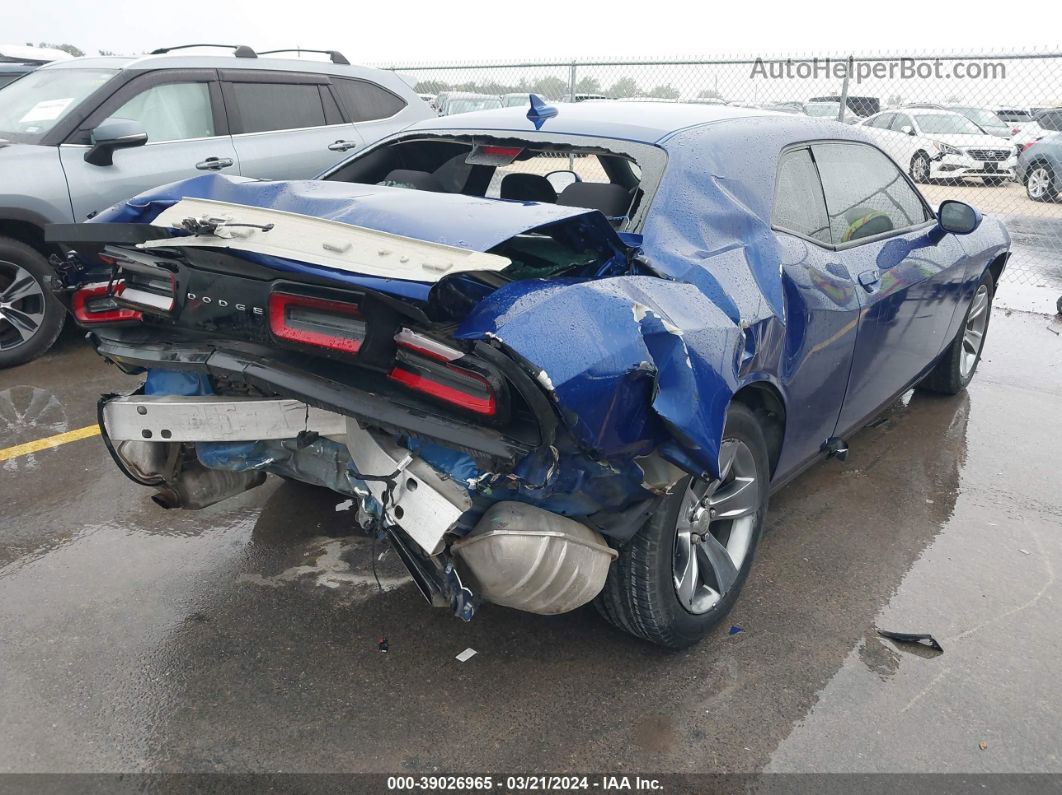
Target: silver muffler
(531, 559)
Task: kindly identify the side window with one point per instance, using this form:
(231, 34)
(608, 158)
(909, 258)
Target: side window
(171, 111)
(366, 101)
(262, 107)
(866, 194)
(798, 203)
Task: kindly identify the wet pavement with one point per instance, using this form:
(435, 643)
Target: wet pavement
(245, 636)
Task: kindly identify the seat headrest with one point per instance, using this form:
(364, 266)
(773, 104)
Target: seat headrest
(407, 178)
(527, 188)
(611, 199)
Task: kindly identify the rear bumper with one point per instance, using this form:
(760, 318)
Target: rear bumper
(256, 368)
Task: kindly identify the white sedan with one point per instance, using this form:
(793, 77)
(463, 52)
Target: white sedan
(941, 144)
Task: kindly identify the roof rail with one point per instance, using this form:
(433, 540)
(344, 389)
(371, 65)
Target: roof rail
(239, 50)
(335, 55)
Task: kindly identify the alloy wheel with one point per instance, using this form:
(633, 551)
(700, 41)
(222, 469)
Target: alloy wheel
(715, 528)
(1039, 182)
(973, 334)
(22, 305)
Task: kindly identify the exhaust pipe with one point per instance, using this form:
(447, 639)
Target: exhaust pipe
(195, 486)
(531, 559)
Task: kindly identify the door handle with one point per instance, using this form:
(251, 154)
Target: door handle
(342, 146)
(214, 163)
(868, 279)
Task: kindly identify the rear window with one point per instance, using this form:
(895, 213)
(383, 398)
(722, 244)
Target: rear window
(366, 101)
(277, 106)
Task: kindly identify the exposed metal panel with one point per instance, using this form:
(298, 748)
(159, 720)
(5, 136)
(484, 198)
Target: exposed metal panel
(318, 241)
(208, 418)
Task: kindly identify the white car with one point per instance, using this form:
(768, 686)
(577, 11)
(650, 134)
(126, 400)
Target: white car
(941, 144)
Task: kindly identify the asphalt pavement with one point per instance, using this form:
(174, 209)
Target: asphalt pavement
(247, 636)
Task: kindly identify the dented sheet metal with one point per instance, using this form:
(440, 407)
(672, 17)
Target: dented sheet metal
(645, 361)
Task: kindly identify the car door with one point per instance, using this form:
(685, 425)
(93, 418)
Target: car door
(371, 107)
(909, 270)
(283, 123)
(184, 117)
(822, 309)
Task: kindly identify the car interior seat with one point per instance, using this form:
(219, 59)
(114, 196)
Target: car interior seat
(611, 199)
(407, 178)
(527, 188)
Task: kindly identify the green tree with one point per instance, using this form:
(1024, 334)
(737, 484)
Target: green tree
(665, 92)
(431, 86)
(624, 87)
(70, 48)
(588, 85)
(710, 93)
(550, 88)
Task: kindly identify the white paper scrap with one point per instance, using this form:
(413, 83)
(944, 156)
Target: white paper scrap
(466, 655)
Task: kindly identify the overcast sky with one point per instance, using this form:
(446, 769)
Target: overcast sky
(416, 31)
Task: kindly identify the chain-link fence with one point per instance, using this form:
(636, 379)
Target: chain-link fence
(977, 127)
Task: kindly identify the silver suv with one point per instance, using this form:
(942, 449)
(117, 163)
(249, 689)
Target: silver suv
(77, 136)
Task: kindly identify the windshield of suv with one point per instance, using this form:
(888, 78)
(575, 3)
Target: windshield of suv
(947, 123)
(32, 105)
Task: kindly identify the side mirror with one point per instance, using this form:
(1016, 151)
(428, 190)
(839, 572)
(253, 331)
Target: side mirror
(907, 129)
(958, 217)
(562, 179)
(114, 134)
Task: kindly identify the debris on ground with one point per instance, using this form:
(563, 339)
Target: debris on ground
(383, 645)
(466, 655)
(983, 745)
(735, 629)
(922, 639)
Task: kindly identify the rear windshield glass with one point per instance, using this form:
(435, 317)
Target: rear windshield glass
(32, 105)
(600, 176)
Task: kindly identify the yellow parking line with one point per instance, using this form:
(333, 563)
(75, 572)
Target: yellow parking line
(50, 441)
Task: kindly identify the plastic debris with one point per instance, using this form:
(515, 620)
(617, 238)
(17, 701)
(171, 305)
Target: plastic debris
(923, 639)
(383, 645)
(983, 745)
(735, 629)
(466, 655)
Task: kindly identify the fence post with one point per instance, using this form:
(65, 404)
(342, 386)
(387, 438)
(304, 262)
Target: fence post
(844, 89)
(571, 98)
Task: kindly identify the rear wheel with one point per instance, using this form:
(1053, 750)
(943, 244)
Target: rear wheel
(1039, 183)
(957, 366)
(681, 573)
(30, 316)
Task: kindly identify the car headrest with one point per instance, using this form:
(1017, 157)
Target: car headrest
(527, 188)
(865, 222)
(611, 199)
(407, 178)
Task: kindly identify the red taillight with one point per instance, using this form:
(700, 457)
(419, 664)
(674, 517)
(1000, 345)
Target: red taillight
(1026, 145)
(501, 151)
(427, 366)
(95, 304)
(335, 325)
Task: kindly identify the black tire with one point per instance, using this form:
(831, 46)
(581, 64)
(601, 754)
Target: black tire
(1058, 305)
(948, 377)
(19, 343)
(994, 182)
(640, 595)
(1034, 179)
(920, 167)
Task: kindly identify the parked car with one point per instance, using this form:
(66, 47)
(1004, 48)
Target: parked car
(941, 144)
(82, 134)
(823, 110)
(454, 102)
(515, 99)
(1012, 115)
(984, 118)
(17, 60)
(1044, 122)
(429, 100)
(541, 398)
(1040, 168)
(860, 106)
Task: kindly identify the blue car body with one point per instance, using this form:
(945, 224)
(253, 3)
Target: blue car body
(723, 303)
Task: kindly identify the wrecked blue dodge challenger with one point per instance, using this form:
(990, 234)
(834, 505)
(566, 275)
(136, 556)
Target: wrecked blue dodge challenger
(555, 355)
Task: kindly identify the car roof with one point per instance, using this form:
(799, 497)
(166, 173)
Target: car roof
(647, 122)
(191, 61)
